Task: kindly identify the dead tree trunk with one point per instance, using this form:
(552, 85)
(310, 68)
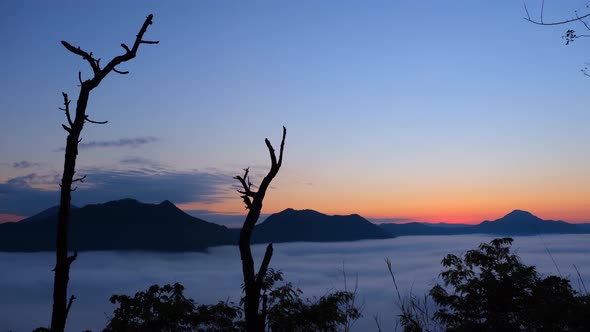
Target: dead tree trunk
(255, 321)
(61, 305)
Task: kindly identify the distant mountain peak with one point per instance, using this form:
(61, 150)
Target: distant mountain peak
(167, 203)
(123, 201)
(520, 215)
(124, 224)
(313, 226)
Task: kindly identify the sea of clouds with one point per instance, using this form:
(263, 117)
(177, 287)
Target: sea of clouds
(26, 279)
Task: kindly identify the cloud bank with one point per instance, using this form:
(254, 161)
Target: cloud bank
(314, 267)
(31, 193)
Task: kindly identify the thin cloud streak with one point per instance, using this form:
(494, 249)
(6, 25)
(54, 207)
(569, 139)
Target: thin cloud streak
(24, 164)
(119, 143)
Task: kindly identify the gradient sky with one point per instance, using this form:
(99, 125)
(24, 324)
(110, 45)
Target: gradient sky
(454, 111)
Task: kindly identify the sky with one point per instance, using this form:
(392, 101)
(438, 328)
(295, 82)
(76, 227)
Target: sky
(454, 111)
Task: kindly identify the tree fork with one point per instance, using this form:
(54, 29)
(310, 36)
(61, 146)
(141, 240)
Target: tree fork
(255, 321)
(61, 304)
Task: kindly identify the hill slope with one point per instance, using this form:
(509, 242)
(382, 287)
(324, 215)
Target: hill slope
(311, 226)
(119, 225)
(520, 222)
(517, 222)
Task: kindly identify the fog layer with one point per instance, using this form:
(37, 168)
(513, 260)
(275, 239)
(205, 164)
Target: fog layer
(26, 279)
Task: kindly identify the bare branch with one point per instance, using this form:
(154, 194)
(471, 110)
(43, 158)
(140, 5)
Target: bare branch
(149, 42)
(242, 180)
(528, 16)
(120, 72)
(95, 122)
(247, 185)
(264, 265)
(282, 147)
(80, 77)
(81, 180)
(72, 298)
(85, 55)
(271, 151)
(72, 258)
(583, 22)
(66, 108)
(66, 128)
(129, 53)
(558, 22)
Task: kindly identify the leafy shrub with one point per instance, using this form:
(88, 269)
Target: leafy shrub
(490, 289)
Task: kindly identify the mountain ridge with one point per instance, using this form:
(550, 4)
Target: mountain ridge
(307, 225)
(128, 224)
(517, 222)
(125, 224)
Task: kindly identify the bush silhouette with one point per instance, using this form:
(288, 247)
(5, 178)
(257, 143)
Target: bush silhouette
(165, 308)
(490, 289)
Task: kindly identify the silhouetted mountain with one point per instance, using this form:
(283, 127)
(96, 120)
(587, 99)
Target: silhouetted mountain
(520, 222)
(119, 225)
(311, 226)
(51, 212)
(517, 222)
(131, 225)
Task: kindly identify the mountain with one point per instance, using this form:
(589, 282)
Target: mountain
(311, 226)
(118, 225)
(517, 222)
(51, 212)
(520, 222)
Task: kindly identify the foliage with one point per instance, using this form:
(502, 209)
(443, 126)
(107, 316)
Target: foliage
(490, 289)
(167, 309)
(287, 311)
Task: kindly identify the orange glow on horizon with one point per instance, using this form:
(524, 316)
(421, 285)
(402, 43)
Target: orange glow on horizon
(449, 199)
(4, 217)
(417, 212)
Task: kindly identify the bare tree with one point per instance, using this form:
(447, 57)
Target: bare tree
(255, 320)
(61, 305)
(570, 34)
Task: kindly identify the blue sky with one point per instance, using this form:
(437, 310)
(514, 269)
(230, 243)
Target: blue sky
(437, 111)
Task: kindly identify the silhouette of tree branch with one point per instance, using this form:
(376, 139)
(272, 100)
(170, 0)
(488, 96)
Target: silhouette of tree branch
(61, 306)
(95, 122)
(255, 321)
(264, 266)
(66, 108)
(81, 180)
(66, 128)
(72, 298)
(85, 55)
(540, 22)
(570, 34)
(247, 185)
(120, 72)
